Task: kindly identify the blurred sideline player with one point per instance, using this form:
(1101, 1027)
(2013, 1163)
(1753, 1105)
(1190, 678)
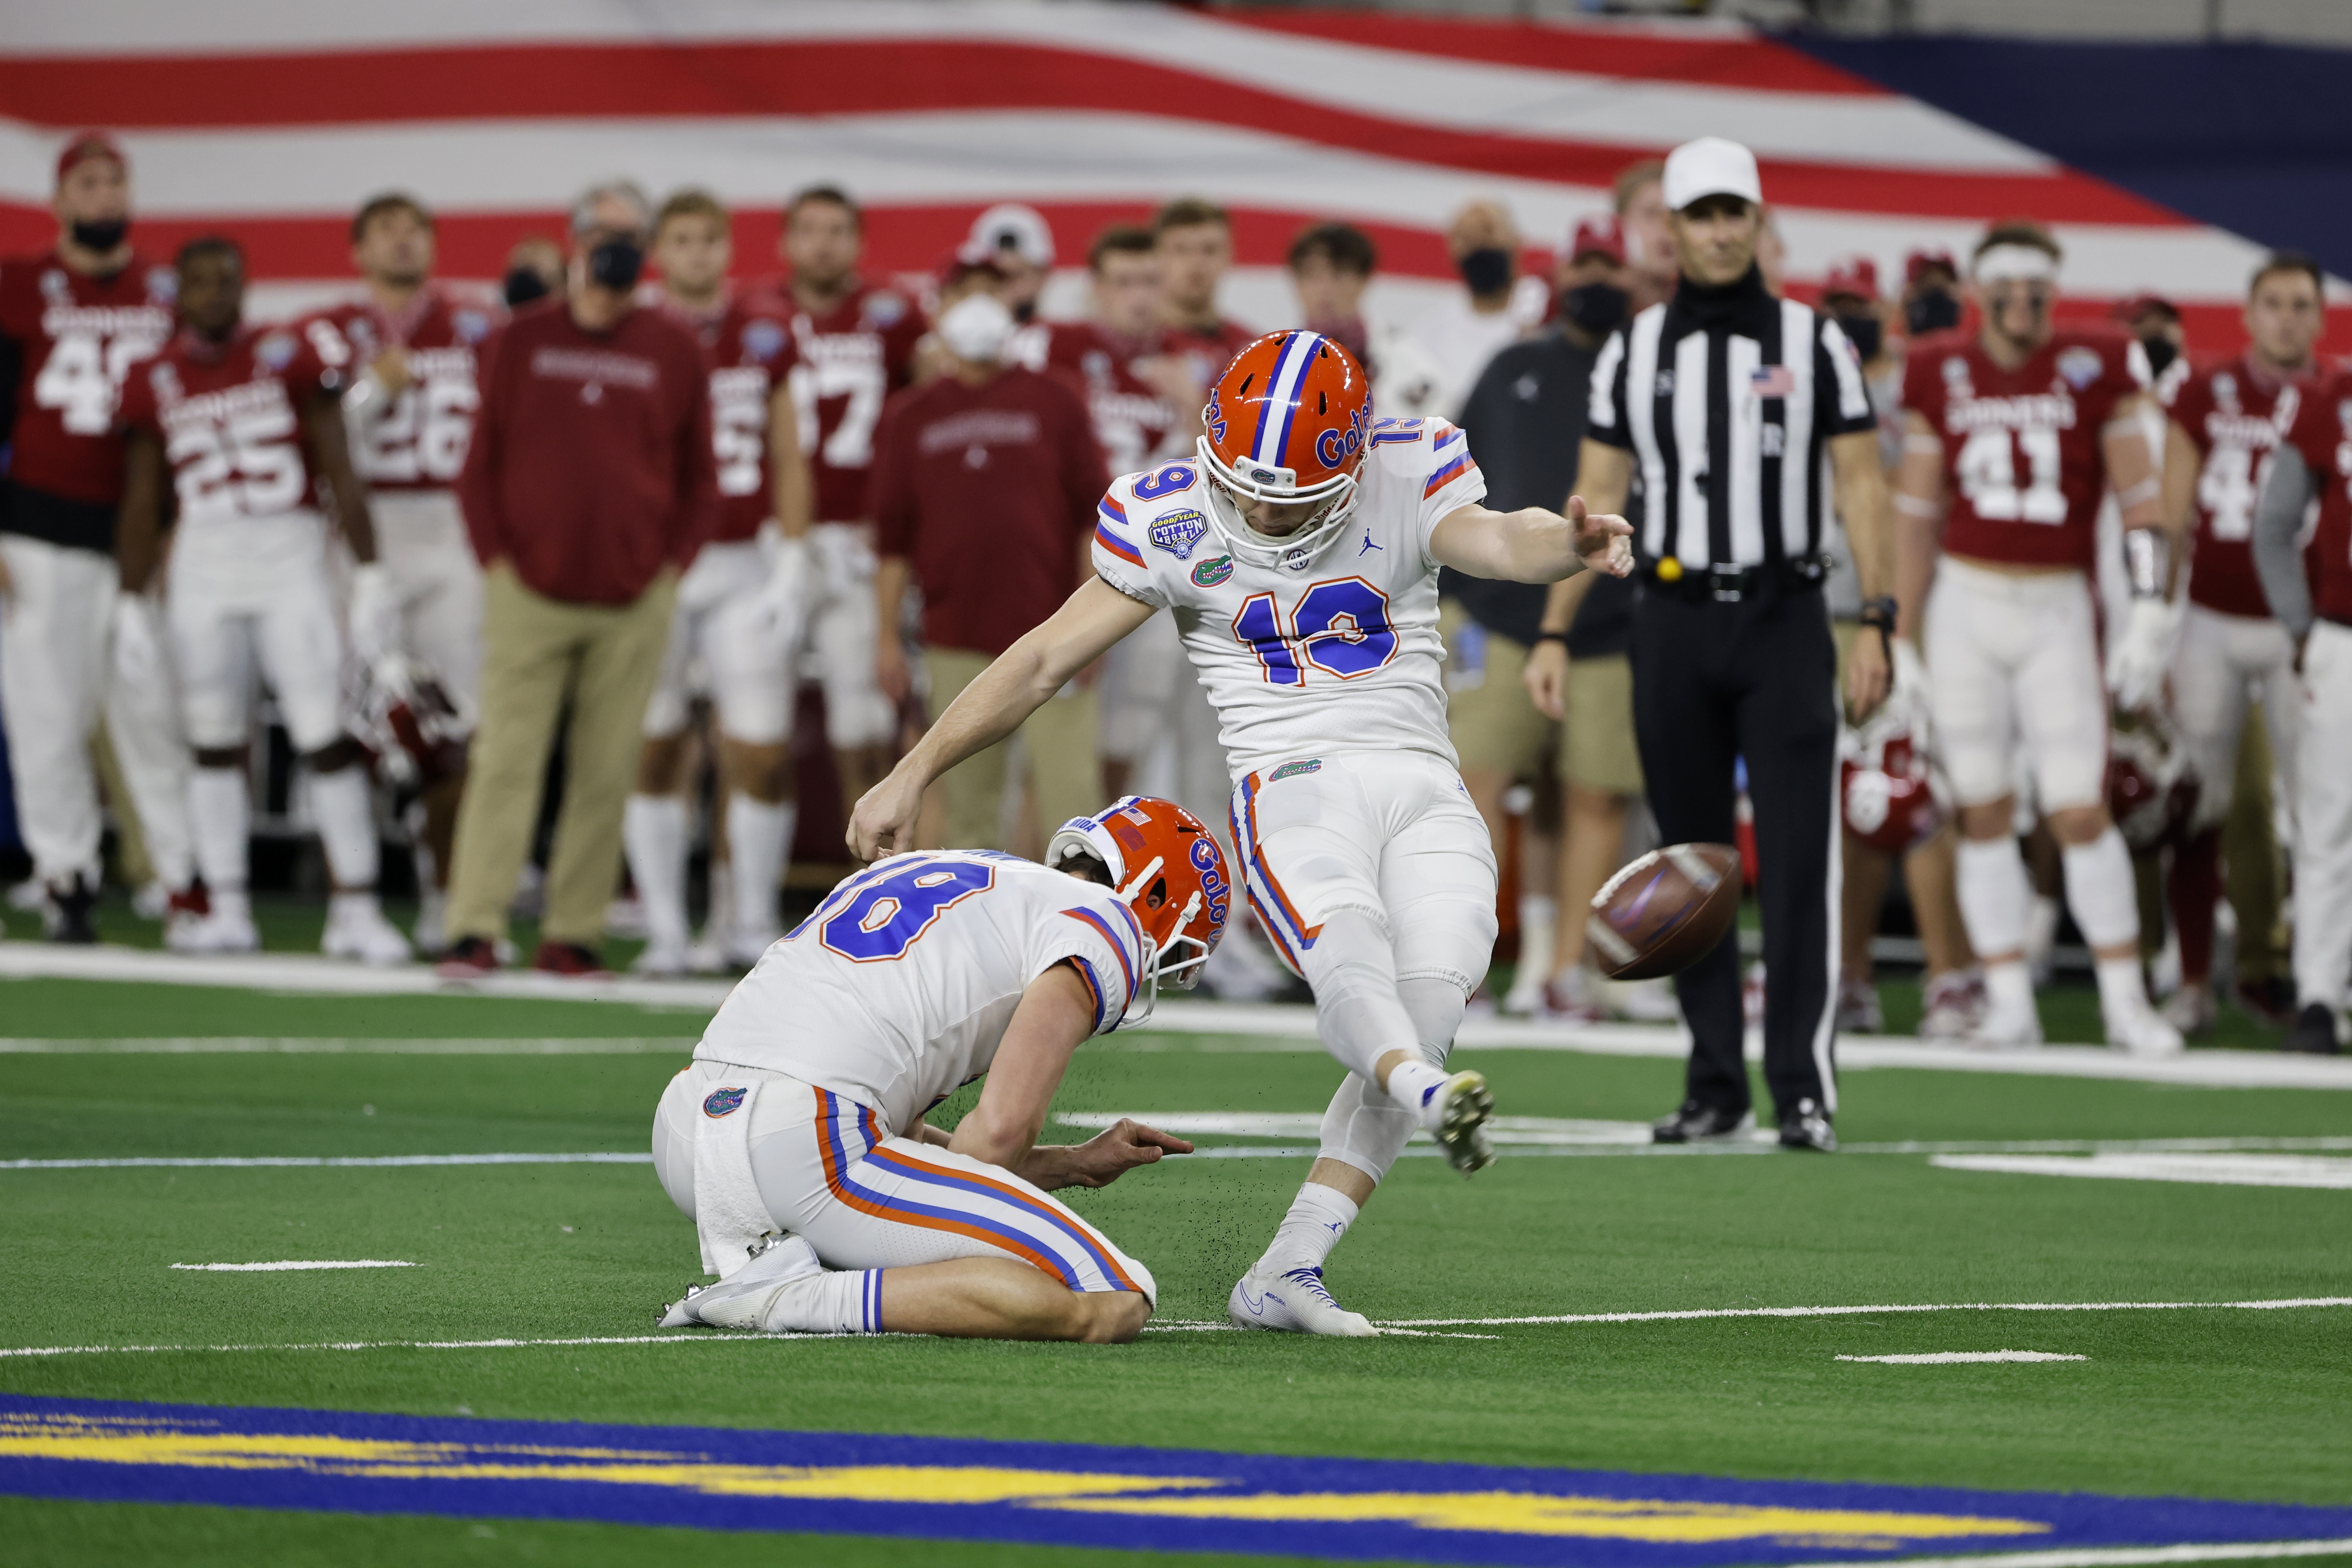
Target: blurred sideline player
(1022, 243)
(71, 642)
(406, 354)
(855, 344)
(2227, 420)
(2014, 435)
(1195, 241)
(1893, 805)
(740, 610)
(246, 421)
(1299, 549)
(797, 1141)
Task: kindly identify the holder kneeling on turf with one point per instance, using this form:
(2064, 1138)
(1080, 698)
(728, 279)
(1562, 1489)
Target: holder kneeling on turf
(797, 1141)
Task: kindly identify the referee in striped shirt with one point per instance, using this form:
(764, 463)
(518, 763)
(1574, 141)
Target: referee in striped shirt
(1745, 418)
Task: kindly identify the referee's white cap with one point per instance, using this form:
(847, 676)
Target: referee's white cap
(1711, 166)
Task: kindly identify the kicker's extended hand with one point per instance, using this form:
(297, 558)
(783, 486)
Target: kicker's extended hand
(1604, 542)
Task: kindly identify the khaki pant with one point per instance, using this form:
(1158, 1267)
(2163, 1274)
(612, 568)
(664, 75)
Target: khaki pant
(538, 655)
(1065, 774)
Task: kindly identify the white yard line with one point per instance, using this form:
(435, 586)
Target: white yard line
(2118, 1556)
(292, 1265)
(2229, 1169)
(1693, 1315)
(1949, 1358)
(302, 1045)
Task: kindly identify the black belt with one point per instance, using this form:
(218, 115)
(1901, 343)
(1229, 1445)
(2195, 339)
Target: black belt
(1729, 585)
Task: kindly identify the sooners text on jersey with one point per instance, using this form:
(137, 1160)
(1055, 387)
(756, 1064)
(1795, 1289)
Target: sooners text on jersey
(2021, 449)
(1131, 420)
(228, 417)
(851, 358)
(749, 344)
(77, 335)
(2322, 432)
(2237, 416)
(1334, 649)
(420, 442)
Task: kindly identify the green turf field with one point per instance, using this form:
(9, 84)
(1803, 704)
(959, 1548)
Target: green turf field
(2220, 1403)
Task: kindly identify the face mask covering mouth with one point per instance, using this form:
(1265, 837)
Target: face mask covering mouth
(1595, 307)
(101, 234)
(1863, 332)
(976, 329)
(2161, 352)
(614, 263)
(1485, 270)
(521, 286)
(1934, 311)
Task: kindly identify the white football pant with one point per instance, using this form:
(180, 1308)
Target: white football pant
(2012, 661)
(2322, 867)
(2224, 663)
(421, 541)
(743, 638)
(841, 633)
(252, 593)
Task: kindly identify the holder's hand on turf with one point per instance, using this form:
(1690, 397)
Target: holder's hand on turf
(1100, 1159)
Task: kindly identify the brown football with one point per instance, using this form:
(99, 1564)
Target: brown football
(1666, 911)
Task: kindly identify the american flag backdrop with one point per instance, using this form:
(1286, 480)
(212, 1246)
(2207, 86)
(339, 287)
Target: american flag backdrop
(271, 120)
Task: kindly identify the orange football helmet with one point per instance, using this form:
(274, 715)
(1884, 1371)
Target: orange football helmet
(1288, 421)
(1168, 869)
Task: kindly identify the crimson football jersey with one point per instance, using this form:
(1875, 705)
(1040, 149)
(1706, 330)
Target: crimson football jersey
(228, 416)
(2322, 432)
(420, 442)
(1132, 422)
(1210, 349)
(851, 358)
(2021, 449)
(2237, 416)
(749, 344)
(74, 336)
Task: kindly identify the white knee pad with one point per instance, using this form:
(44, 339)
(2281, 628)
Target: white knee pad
(2100, 890)
(1994, 894)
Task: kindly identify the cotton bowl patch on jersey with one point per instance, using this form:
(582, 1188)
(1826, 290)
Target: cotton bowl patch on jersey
(723, 1101)
(1179, 532)
(763, 340)
(2080, 367)
(1060, 1494)
(1211, 572)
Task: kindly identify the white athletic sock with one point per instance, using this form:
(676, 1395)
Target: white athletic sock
(2100, 891)
(2122, 987)
(219, 812)
(837, 1301)
(231, 903)
(1414, 1085)
(1319, 1217)
(1994, 893)
(653, 832)
(2009, 988)
(758, 842)
(346, 826)
(343, 906)
(1538, 925)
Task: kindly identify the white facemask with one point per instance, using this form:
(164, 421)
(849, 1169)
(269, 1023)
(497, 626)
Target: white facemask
(976, 329)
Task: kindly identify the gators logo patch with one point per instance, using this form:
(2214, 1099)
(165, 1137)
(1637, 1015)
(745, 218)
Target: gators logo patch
(1211, 572)
(1293, 769)
(723, 1101)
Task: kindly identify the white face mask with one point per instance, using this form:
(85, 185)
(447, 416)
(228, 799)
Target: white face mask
(976, 329)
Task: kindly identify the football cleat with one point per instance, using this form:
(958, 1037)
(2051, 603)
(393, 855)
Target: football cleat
(1456, 1117)
(2192, 1010)
(2139, 1030)
(1858, 1008)
(1952, 1002)
(357, 930)
(660, 960)
(570, 960)
(744, 1300)
(67, 920)
(222, 931)
(1807, 1126)
(468, 958)
(1294, 1303)
(2314, 1032)
(1698, 1124)
(2007, 1026)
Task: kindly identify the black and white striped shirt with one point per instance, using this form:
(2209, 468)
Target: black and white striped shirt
(1727, 399)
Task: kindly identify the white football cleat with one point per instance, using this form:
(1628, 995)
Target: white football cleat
(1456, 1117)
(744, 1300)
(2007, 1027)
(357, 930)
(745, 949)
(1294, 1303)
(2142, 1031)
(223, 931)
(660, 960)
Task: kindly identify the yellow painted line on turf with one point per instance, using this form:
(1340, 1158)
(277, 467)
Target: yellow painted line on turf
(2119, 1556)
(291, 1265)
(1953, 1358)
(2284, 1303)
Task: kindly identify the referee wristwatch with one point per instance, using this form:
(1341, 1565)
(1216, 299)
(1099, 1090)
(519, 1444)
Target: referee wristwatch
(1879, 614)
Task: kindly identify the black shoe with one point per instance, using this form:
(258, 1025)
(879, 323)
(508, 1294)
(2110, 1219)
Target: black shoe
(1697, 1124)
(2313, 1031)
(468, 958)
(67, 918)
(1807, 1126)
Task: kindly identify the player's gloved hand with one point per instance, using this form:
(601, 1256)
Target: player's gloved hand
(374, 612)
(2137, 661)
(138, 642)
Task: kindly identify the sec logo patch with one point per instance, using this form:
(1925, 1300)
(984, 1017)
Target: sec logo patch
(723, 1101)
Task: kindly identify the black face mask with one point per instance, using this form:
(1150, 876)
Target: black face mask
(1486, 271)
(614, 263)
(1934, 311)
(1026, 312)
(2161, 352)
(1597, 308)
(102, 235)
(1864, 333)
(522, 285)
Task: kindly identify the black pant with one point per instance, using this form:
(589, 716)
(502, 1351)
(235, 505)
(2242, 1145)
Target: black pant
(1754, 679)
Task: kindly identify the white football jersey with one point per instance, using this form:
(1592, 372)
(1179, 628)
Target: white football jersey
(896, 992)
(1333, 650)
